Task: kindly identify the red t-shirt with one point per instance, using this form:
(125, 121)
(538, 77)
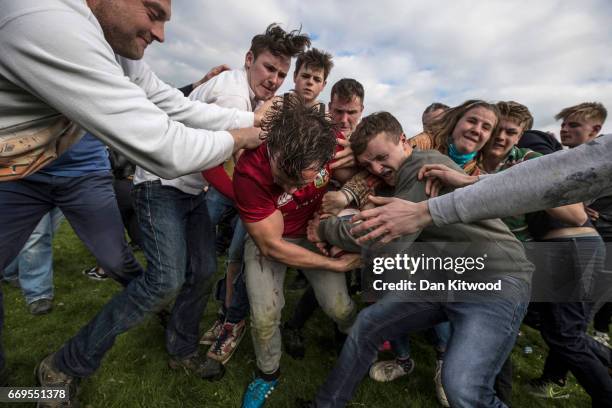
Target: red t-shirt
(257, 196)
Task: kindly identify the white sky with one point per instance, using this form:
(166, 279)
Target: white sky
(546, 54)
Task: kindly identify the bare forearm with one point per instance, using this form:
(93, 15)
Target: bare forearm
(295, 256)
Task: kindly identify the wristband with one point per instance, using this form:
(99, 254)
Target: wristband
(347, 196)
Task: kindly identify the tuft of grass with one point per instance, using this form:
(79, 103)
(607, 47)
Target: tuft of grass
(135, 372)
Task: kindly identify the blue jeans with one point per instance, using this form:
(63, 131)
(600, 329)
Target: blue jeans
(34, 264)
(440, 335)
(89, 204)
(177, 243)
(218, 207)
(471, 362)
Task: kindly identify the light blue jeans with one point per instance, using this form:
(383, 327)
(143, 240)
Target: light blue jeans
(34, 264)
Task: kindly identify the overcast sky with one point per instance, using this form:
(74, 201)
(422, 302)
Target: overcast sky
(546, 54)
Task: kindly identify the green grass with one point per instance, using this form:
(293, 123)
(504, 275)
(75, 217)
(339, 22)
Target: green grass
(135, 373)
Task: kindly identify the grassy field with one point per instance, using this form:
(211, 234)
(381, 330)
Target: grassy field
(135, 373)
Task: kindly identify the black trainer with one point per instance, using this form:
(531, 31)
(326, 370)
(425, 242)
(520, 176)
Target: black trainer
(300, 403)
(293, 341)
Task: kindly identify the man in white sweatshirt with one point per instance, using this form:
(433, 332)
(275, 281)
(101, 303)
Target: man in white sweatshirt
(70, 65)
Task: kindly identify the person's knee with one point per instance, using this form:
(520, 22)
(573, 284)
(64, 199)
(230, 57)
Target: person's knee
(172, 285)
(264, 323)
(163, 287)
(364, 331)
(340, 308)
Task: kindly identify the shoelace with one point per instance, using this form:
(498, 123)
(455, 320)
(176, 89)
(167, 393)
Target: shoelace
(214, 331)
(218, 327)
(225, 332)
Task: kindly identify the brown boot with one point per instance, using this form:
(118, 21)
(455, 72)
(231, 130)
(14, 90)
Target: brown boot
(49, 376)
(207, 369)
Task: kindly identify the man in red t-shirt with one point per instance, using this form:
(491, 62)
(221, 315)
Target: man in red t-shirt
(278, 188)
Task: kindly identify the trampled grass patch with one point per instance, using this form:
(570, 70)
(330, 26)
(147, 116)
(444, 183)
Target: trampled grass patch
(135, 372)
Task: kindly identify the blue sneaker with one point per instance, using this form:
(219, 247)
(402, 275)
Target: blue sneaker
(257, 392)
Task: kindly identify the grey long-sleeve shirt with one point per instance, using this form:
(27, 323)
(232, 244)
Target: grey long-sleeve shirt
(566, 177)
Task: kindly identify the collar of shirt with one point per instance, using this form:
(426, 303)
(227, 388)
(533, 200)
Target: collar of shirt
(254, 102)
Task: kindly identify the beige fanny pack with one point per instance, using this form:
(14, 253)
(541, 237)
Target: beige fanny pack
(28, 147)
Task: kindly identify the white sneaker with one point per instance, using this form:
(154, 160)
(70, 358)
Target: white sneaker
(440, 394)
(389, 370)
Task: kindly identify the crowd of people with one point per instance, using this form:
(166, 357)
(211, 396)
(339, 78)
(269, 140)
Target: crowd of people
(88, 132)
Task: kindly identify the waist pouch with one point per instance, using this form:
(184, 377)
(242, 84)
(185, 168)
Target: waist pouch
(27, 147)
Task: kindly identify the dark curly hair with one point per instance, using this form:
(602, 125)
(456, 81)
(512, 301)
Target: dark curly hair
(299, 137)
(279, 42)
(314, 59)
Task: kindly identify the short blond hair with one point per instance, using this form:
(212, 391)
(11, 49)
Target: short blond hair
(517, 113)
(592, 111)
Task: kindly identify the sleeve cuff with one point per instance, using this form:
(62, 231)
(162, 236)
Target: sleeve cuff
(226, 140)
(244, 120)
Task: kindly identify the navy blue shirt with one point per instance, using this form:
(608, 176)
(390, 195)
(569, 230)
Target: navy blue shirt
(87, 156)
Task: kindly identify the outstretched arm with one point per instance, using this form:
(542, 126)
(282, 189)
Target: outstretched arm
(562, 178)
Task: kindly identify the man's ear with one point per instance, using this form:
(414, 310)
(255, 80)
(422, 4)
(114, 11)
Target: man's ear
(403, 138)
(596, 130)
(248, 59)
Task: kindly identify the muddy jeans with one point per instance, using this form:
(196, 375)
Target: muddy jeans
(264, 281)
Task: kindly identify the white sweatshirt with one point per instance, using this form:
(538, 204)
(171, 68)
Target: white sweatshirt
(54, 60)
(229, 89)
